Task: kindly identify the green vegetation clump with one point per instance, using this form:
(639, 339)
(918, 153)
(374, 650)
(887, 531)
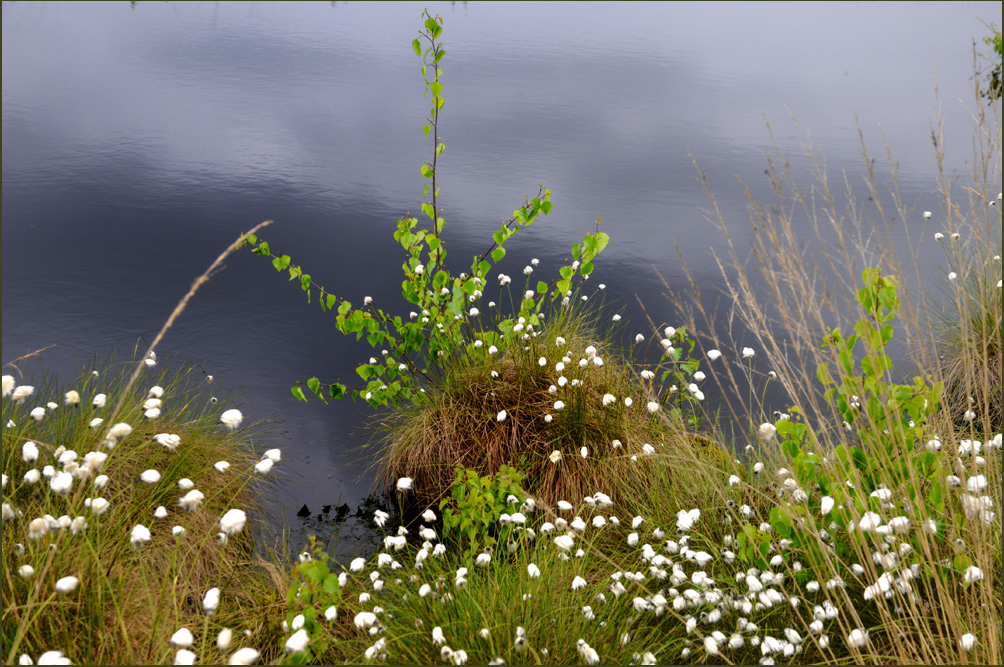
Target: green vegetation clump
(561, 522)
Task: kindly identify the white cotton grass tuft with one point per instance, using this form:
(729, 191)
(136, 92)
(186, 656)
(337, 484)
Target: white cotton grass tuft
(364, 620)
(972, 574)
(244, 656)
(404, 484)
(139, 536)
(8, 385)
(211, 601)
(190, 501)
(184, 656)
(61, 484)
(858, 638)
(29, 452)
(116, 433)
(233, 522)
(22, 393)
(232, 418)
(99, 506)
(182, 638)
(67, 585)
(150, 476)
(169, 441)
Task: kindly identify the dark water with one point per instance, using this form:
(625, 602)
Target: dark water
(139, 140)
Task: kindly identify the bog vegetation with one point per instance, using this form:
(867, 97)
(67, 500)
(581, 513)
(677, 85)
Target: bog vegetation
(572, 504)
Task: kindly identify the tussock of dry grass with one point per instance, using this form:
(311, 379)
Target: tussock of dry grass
(458, 426)
(967, 338)
(130, 601)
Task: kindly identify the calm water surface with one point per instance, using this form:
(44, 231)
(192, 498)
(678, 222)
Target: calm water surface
(139, 140)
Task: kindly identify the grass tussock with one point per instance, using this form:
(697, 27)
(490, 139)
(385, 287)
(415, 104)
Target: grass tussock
(500, 409)
(130, 598)
(967, 337)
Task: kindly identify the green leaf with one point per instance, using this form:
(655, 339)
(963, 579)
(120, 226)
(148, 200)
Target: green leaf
(936, 498)
(498, 254)
(425, 129)
(439, 55)
(298, 393)
(601, 240)
(330, 585)
(860, 458)
(416, 46)
(315, 385)
(961, 562)
(436, 89)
